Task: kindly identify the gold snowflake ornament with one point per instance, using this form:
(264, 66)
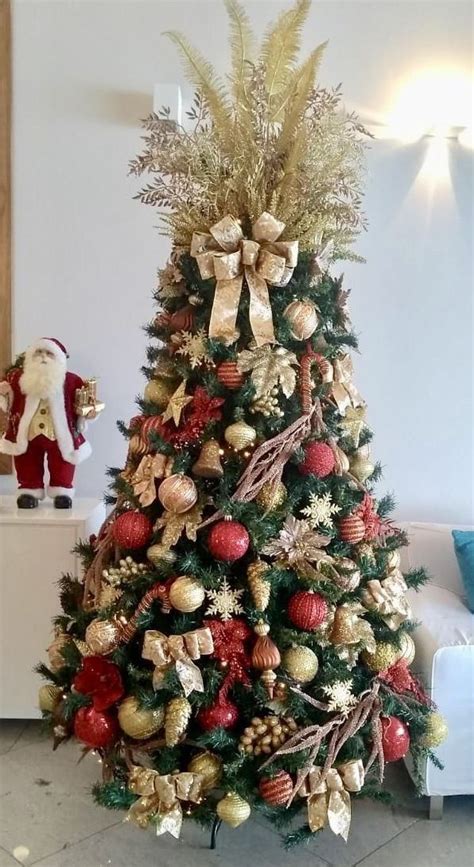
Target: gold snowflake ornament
(341, 697)
(225, 601)
(195, 346)
(320, 510)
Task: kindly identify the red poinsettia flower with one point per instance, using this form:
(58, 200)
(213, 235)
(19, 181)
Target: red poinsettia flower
(100, 679)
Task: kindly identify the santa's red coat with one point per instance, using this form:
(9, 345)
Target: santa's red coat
(72, 444)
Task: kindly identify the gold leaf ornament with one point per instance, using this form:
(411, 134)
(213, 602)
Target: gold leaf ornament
(174, 525)
(270, 366)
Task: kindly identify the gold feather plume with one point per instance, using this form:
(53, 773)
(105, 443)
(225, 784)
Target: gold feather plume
(281, 45)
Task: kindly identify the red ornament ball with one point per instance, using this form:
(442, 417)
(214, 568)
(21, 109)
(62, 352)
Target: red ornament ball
(307, 610)
(224, 714)
(97, 729)
(228, 541)
(229, 375)
(395, 738)
(276, 790)
(318, 459)
(132, 530)
(351, 529)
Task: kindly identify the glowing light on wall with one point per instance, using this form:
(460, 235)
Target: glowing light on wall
(433, 102)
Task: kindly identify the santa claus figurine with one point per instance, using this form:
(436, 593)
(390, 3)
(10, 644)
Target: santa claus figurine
(47, 415)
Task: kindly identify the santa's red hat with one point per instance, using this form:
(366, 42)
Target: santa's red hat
(52, 345)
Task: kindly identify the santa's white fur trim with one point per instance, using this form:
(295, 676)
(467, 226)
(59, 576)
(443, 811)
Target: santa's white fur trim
(33, 492)
(61, 429)
(60, 492)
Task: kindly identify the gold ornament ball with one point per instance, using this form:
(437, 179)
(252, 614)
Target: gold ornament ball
(407, 648)
(271, 496)
(49, 697)
(186, 594)
(233, 810)
(383, 657)
(240, 435)
(138, 722)
(436, 731)
(366, 552)
(56, 659)
(160, 554)
(103, 636)
(302, 319)
(177, 493)
(301, 663)
(209, 767)
(348, 574)
(159, 391)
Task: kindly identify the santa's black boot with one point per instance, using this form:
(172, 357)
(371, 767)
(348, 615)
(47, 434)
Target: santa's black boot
(62, 502)
(27, 501)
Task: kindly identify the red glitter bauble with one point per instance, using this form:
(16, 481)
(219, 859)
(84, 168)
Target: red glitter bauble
(351, 529)
(96, 729)
(318, 460)
(276, 790)
(228, 541)
(224, 715)
(229, 375)
(395, 738)
(307, 610)
(132, 530)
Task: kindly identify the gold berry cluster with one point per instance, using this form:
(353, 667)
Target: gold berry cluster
(266, 734)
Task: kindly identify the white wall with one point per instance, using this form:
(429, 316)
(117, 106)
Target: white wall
(85, 254)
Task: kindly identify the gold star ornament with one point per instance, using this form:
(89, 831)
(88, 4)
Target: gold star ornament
(353, 423)
(178, 400)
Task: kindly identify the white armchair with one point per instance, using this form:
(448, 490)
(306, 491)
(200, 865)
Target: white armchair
(444, 657)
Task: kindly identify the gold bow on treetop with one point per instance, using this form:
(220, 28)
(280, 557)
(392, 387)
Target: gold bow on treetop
(225, 254)
(329, 799)
(180, 650)
(160, 798)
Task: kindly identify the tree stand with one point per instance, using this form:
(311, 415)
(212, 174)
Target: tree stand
(215, 830)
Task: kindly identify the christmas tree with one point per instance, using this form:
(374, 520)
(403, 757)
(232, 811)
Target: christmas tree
(240, 639)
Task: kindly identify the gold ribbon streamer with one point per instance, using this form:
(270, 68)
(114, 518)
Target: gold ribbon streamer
(225, 254)
(329, 797)
(343, 390)
(160, 798)
(180, 651)
(388, 598)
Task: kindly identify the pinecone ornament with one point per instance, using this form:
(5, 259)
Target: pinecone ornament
(260, 588)
(177, 716)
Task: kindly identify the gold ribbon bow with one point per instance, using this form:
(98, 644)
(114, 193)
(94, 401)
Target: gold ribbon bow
(160, 798)
(225, 254)
(329, 797)
(388, 598)
(343, 390)
(178, 650)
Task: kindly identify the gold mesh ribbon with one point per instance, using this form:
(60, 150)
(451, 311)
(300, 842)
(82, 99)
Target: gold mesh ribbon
(160, 798)
(178, 650)
(343, 391)
(388, 598)
(225, 254)
(329, 799)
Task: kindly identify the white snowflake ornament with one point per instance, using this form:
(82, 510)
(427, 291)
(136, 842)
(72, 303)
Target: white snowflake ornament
(320, 510)
(225, 601)
(340, 696)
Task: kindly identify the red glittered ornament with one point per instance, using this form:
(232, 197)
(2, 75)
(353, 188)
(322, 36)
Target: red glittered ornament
(228, 541)
(132, 530)
(229, 375)
(276, 790)
(307, 610)
(97, 729)
(395, 738)
(351, 529)
(224, 714)
(318, 459)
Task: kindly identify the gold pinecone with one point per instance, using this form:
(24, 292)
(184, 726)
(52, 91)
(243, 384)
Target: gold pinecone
(177, 716)
(259, 587)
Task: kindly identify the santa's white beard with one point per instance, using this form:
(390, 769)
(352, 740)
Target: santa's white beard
(42, 377)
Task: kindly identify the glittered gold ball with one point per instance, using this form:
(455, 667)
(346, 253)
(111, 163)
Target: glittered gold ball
(159, 391)
(233, 810)
(209, 767)
(271, 496)
(348, 574)
(302, 319)
(383, 657)
(56, 659)
(366, 552)
(436, 730)
(49, 697)
(103, 636)
(186, 594)
(301, 663)
(407, 648)
(240, 435)
(138, 722)
(160, 554)
(177, 493)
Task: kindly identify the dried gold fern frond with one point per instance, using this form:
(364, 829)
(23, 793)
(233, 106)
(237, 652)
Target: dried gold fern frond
(202, 74)
(281, 45)
(295, 99)
(241, 46)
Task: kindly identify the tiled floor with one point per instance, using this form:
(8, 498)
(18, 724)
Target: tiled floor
(47, 818)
